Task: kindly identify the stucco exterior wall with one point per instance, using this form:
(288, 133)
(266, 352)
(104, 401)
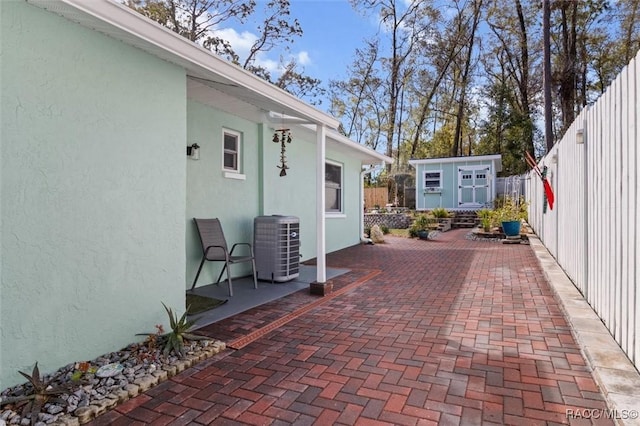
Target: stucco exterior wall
(295, 194)
(209, 194)
(262, 191)
(93, 191)
(344, 230)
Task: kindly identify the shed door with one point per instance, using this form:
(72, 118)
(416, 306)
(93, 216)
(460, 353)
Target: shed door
(473, 186)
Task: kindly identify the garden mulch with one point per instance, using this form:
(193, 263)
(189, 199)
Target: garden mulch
(447, 331)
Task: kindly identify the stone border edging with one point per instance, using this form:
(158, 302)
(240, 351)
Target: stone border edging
(84, 415)
(613, 371)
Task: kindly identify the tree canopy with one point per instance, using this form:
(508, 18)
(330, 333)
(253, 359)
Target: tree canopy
(439, 77)
(464, 77)
(199, 20)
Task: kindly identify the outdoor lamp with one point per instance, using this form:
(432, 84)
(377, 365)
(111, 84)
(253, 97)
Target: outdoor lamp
(193, 151)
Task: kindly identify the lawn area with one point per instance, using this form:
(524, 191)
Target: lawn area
(399, 232)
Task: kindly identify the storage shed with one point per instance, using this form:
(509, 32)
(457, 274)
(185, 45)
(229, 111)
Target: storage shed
(456, 183)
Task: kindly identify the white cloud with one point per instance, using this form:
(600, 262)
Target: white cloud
(269, 64)
(241, 42)
(304, 58)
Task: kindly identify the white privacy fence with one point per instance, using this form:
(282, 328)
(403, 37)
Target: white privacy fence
(592, 230)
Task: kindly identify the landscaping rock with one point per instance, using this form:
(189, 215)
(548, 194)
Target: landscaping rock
(94, 395)
(377, 236)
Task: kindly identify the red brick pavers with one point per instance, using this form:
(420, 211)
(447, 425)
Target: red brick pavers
(451, 332)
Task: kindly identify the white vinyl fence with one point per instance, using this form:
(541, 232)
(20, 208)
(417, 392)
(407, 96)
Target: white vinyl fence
(592, 230)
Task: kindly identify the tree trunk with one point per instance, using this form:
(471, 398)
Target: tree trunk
(457, 141)
(546, 34)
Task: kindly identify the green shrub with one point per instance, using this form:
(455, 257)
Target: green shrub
(511, 209)
(422, 222)
(440, 213)
(487, 218)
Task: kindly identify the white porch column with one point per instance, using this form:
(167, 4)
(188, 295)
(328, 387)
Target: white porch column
(321, 272)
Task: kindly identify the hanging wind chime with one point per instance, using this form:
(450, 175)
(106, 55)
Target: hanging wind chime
(282, 136)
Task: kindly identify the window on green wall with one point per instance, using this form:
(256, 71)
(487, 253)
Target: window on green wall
(333, 187)
(231, 151)
(433, 179)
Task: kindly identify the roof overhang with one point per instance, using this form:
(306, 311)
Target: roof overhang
(366, 155)
(205, 69)
(121, 23)
(335, 141)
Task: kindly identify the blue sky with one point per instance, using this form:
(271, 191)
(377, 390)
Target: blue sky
(332, 32)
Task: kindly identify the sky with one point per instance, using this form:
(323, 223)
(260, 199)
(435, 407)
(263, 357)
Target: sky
(332, 31)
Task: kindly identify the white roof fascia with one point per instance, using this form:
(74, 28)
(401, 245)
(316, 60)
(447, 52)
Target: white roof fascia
(456, 159)
(166, 44)
(338, 141)
(280, 119)
(381, 158)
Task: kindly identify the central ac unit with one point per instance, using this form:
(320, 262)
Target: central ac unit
(276, 244)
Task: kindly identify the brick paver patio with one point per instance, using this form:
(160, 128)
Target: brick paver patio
(449, 332)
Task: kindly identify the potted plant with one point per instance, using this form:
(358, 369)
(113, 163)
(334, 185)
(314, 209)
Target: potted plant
(511, 214)
(421, 226)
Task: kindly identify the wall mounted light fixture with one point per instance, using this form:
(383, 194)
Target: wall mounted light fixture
(193, 151)
(580, 136)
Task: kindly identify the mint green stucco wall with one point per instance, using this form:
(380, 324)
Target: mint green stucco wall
(344, 230)
(263, 191)
(210, 194)
(93, 191)
(295, 194)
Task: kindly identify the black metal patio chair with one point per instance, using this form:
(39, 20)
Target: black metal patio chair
(214, 249)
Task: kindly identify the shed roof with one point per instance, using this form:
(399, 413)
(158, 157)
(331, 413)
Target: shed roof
(494, 157)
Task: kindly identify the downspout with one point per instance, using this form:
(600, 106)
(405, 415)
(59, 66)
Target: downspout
(262, 132)
(362, 175)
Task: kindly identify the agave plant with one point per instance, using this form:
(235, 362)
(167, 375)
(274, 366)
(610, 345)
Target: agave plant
(43, 392)
(179, 332)
(174, 340)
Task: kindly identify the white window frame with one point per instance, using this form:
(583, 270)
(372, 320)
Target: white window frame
(437, 188)
(340, 211)
(236, 172)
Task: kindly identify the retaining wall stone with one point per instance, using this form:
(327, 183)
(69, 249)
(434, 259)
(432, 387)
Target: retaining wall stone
(390, 220)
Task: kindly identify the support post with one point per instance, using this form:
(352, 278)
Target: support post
(321, 261)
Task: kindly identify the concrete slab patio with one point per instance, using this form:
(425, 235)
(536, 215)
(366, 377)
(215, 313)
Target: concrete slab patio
(447, 331)
(247, 297)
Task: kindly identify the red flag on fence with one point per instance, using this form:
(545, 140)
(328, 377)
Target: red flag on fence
(548, 191)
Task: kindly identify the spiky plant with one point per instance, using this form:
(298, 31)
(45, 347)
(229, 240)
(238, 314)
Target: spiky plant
(43, 392)
(179, 332)
(174, 340)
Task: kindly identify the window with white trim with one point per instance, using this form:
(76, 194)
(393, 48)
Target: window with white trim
(433, 179)
(231, 141)
(333, 187)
